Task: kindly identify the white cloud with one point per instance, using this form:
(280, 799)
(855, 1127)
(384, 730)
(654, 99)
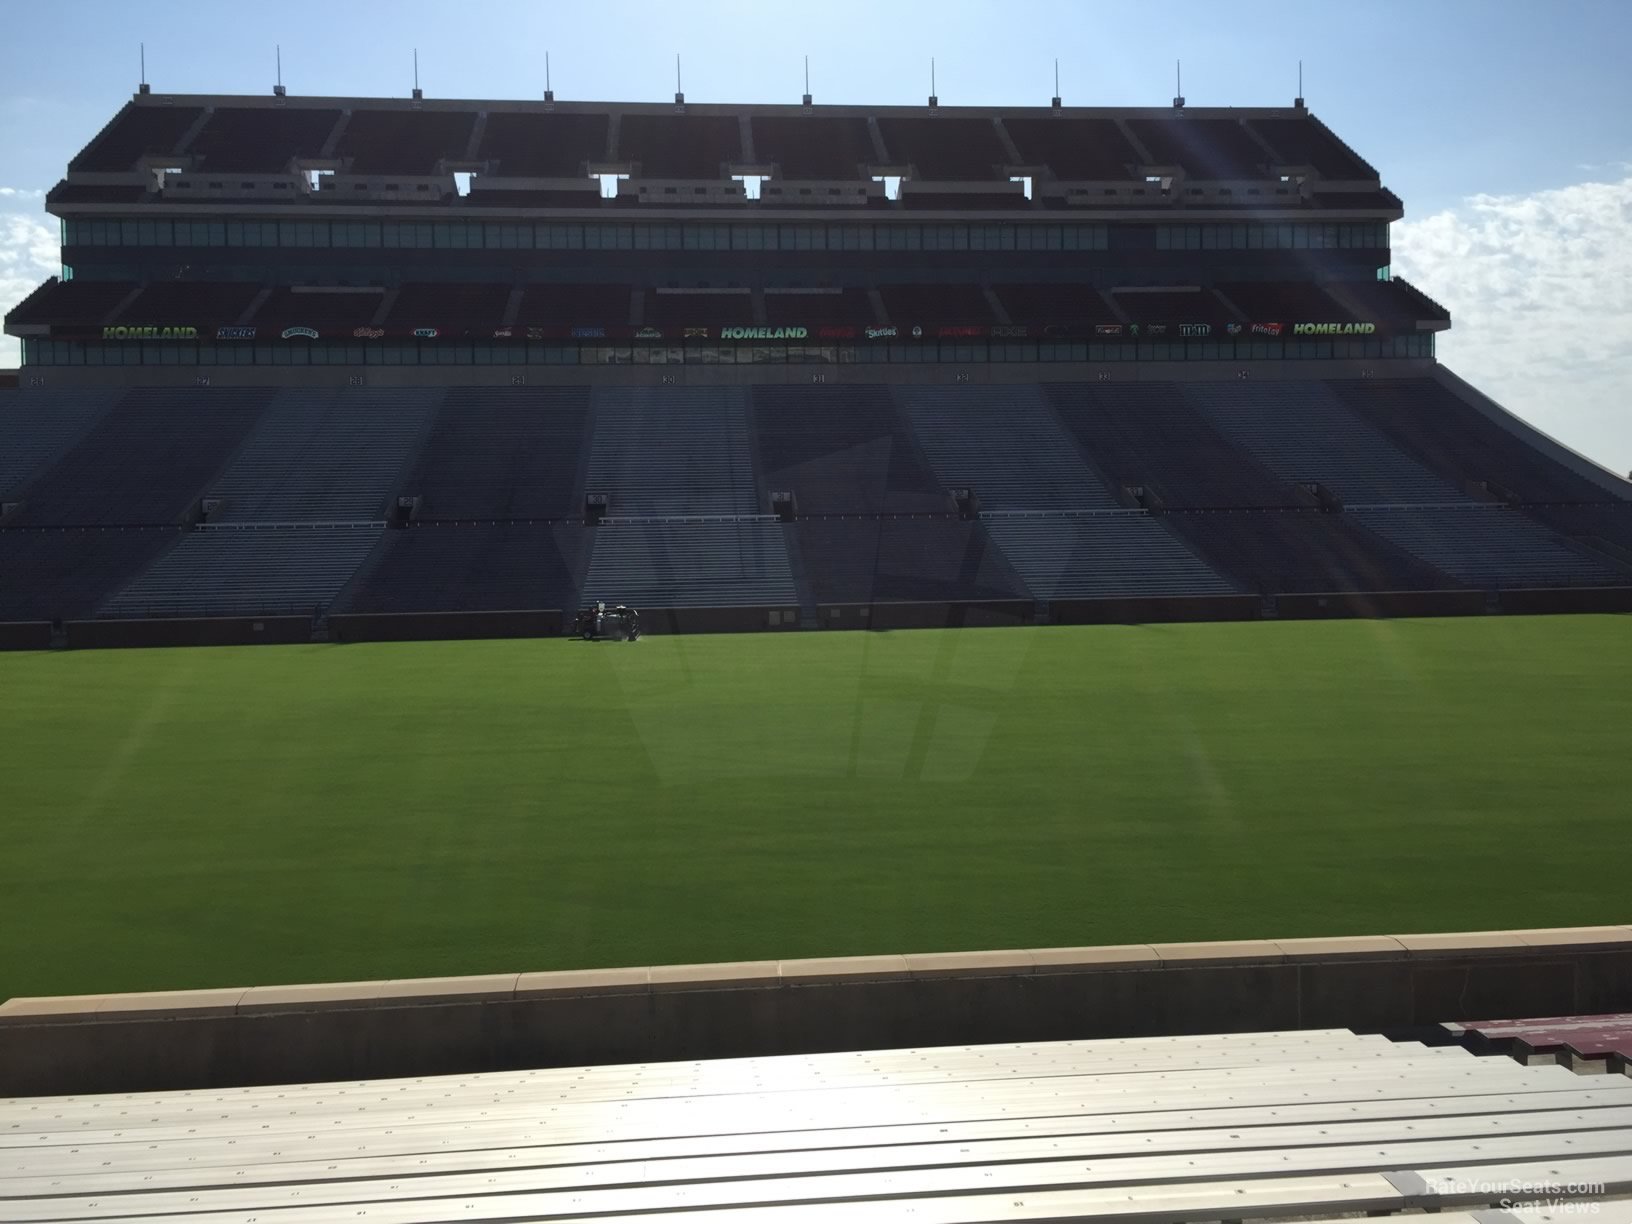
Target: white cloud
(29, 253)
(1540, 293)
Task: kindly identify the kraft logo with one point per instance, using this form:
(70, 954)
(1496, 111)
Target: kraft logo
(426, 333)
(368, 333)
(304, 333)
(1333, 329)
(881, 333)
(764, 333)
(589, 333)
(235, 333)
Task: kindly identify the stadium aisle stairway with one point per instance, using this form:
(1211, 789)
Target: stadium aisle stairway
(324, 456)
(674, 565)
(841, 450)
(503, 453)
(1302, 432)
(1127, 553)
(146, 461)
(1005, 443)
(38, 426)
(672, 451)
(231, 571)
(64, 574)
(1489, 546)
(472, 567)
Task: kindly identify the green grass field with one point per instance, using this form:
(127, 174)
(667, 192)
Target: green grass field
(178, 818)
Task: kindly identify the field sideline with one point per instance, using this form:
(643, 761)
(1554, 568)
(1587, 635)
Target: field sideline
(214, 817)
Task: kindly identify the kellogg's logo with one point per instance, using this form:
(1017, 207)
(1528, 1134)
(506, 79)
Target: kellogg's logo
(367, 333)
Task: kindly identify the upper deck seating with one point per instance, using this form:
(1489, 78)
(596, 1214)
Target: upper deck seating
(698, 309)
(1006, 444)
(261, 140)
(1308, 142)
(1147, 435)
(574, 305)
(474, 306)
(503, 453)
(1075, 149)
(944, 147)
(65, 573)
(146, 461)
(1303, 433)
(404, 142)
(841, 450)
(85, 303)
(472, 567)
(136, 132)
(660, 451)
(324, 456)
(680, 146)
(1173, 307)
(1285, 302)
(189, 302)
(1205, 148)
(948, 303)
(813, 149)
(533, 145)
(845, 306)
(300, 306)
(1047, 303)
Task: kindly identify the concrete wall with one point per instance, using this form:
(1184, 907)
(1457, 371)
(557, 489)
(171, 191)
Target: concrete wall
(25, 635)
(202, 631)
(435, 626)
(275, 1034)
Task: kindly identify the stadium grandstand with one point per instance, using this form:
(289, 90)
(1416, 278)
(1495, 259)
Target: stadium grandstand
(371, 360)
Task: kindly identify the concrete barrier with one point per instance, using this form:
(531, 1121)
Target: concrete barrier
(1154, 609)
(953, 614)
(1380, 603)
(443, 626)
(25, 635)
(357, 1030)
(718, 620)
(1566, 600)
(200, 631)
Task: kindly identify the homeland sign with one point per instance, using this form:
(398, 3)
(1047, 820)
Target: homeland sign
(150, 333)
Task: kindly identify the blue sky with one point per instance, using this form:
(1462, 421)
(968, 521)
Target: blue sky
(1451, 99)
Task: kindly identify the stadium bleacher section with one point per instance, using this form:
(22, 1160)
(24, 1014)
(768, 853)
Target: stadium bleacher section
(886, 560)
(841, 451)
(146, 462)
(1490, 547)
(948, 148)
(503, 453)
(1203, 148)
(1102, 556)
(62, 574)
(543, 146)
(136, 132)
(471, 567)
(680, 146)
(672, 451)
(254, 140)
(815, 149)
(403, 142)
(1074, 148)
(677, 565)
(247, 571)
(38, 427)
(323, 457)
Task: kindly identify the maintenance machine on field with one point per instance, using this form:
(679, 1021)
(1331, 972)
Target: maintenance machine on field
(618, 624)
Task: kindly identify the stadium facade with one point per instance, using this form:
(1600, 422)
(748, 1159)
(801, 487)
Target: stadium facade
(364, 363)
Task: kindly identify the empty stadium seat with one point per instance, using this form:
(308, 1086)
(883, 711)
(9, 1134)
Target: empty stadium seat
(261, 140)
(534, 145)
(1005, 443)
(404, 142)
(811, 148)
(1205, 148)
(841, 450)
(325, 456)
(1308, 141)
(1073, 148)
(1490, 546)
(672, 451)
(36, 427)
(472, 567)
(136, 132)
(1096, 556)
(252, 571)
(64, 574)
(1303, 433)
(677, 565)
(892, 560)
(952, 303)
(944, 147)
(679, 146)
(503, 453)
